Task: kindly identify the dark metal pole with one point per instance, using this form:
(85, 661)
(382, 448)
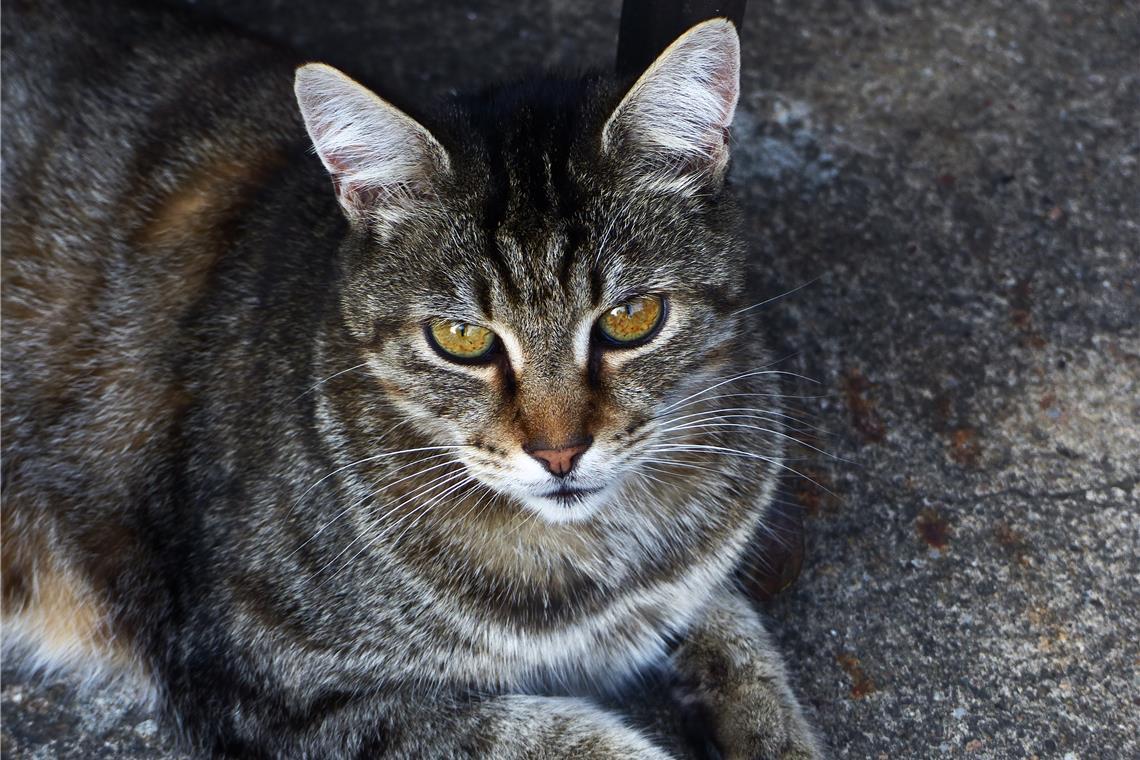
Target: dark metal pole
(648, 26)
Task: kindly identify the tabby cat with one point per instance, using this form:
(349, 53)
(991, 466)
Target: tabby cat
(397, 466)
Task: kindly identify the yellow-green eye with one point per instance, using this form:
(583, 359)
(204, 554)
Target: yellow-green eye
(462, 341)
(633, 322)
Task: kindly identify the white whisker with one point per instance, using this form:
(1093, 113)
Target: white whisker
(360, 501)
(679, 463)
(423, 509)
(751, 394)
(471, 511)
(737, 378)
(358, 462)
(419, 490)
(737, 425)
(743, 412)
(437, 482)
(699, 447)
(319, 383)
(526, 517)
(786, 293)
(449, 488)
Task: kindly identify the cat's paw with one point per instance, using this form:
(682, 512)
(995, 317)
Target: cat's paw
(558, 728)
(760, 720)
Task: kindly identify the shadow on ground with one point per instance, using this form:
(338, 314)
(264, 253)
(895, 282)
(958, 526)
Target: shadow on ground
(959, 184)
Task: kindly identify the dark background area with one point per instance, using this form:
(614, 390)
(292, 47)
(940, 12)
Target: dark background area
(959, 182)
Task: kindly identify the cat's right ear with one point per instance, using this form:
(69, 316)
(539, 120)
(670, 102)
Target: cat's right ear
(379, 158)
(671, 129)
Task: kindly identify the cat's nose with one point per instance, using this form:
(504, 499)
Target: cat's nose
(560, 460)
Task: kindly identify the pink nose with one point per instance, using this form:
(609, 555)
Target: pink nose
(559, 461)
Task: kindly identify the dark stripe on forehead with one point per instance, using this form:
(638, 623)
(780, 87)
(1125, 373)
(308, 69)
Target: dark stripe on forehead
(575, 237)
(483, 297)
(566, 198)
(531, 155)
(561, 184)
(530, 135)
(495, 211)
(597, 287)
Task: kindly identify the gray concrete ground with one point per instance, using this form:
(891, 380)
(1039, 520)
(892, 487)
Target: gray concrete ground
(959, 183)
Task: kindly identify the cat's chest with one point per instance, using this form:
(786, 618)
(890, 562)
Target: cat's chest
(467, 623)
(629, 632)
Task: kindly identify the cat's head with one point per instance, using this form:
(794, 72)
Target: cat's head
(541, 274)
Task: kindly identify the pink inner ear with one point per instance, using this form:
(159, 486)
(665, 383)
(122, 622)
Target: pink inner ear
(725, 86)
(354, 195)
(337, 167)
(373, 152)
(348, 166)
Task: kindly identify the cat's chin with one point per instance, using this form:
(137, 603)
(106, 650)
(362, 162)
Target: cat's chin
(567, 506)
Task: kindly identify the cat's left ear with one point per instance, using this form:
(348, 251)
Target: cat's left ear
(673, 123)
(379, 157)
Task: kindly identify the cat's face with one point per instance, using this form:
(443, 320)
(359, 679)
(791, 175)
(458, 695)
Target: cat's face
(537, 292)
(572, 340)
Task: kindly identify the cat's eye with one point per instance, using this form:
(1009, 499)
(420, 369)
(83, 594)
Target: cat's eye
(632, 323)
(462, 341)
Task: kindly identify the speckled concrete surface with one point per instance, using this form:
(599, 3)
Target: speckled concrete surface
(960, 184)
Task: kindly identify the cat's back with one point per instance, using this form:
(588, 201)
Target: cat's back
(136, 141)
(105, 93)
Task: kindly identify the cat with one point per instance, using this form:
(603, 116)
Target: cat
(353, 433)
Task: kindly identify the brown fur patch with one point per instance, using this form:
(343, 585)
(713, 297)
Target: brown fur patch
(189, 212)
(47, 604)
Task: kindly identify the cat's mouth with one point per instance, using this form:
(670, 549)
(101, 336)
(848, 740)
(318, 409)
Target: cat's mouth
(569, 494)
(567, 503)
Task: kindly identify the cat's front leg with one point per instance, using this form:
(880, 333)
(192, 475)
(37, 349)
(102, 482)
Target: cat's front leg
(408, 727)
(518, 727)
(736, 670)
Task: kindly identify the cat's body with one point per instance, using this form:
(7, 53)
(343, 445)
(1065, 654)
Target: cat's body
(231, 460)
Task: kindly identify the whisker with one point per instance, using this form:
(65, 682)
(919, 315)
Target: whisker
(360, 501)
(752, 394)
(437, 482)
(680, 463)
(731, 425)
(449, 488)
(526, 517)
(388, 509)
(786, 293)
(654, 478)
(778, 532)
(737, 378)
(698, 447)
(471, 511)
(744, 412)
(358, 462)
(319, 383)
(423, 509)
(422, 489)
